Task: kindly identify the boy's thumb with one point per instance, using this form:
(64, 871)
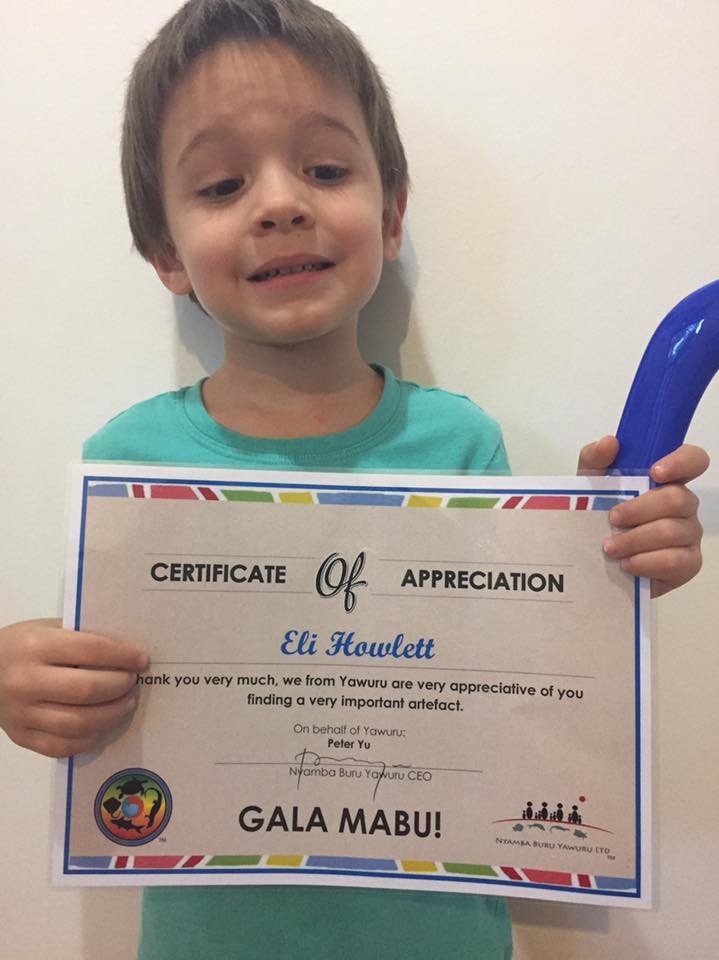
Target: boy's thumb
(596, 457)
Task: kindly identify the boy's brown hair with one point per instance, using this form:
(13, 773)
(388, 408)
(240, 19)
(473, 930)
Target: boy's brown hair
(313, 33)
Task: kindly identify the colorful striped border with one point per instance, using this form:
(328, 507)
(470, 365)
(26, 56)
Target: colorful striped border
(320, 496)
(289, 862)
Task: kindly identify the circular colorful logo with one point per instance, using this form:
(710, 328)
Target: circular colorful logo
(133, 806)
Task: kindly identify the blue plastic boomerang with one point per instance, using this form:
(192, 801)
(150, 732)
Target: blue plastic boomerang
(680, 360)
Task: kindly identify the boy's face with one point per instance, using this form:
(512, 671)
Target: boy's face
(267, 166)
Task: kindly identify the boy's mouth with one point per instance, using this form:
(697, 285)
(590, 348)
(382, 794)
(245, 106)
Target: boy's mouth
(288, 265)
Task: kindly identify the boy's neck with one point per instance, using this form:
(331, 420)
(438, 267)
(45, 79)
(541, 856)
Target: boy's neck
(291, 391)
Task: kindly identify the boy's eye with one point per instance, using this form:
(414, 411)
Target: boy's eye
(223, 189)
(327, 172)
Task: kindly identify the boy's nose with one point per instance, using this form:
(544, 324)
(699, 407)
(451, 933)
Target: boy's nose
(283, 205)
(282, 221)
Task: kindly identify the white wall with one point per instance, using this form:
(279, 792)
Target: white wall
(564, 156)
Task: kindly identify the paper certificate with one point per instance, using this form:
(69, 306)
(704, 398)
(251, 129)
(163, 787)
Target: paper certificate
(425, 682)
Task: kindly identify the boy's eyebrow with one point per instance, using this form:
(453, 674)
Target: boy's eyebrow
(314, 118)
(208, 133)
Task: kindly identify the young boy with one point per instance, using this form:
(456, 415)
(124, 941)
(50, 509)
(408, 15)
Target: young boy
(265, 178)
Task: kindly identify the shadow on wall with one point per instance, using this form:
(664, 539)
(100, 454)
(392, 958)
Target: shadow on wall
(544, 929)
(708, 508)
(382, 329)
(201, 338)
(110, 922)
(384, 322)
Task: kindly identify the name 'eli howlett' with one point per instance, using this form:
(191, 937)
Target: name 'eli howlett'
(344, 643)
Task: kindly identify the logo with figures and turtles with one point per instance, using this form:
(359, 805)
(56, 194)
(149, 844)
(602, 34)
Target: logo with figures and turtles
(557, 819)
(133, 806)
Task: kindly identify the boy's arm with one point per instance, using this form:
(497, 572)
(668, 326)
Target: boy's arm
(661, 535)
(60, 690)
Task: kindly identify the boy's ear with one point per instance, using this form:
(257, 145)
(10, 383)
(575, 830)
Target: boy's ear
(392, 218)
(169, 268)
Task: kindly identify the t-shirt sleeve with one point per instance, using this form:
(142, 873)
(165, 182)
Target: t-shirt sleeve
(481, 436)
(448, 432)
(120, 438)
(148, 432)
(499, 463)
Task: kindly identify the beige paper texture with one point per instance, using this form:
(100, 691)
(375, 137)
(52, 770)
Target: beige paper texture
(475, 708)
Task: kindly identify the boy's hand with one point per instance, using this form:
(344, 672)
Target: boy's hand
(663, 534)
(50, 701)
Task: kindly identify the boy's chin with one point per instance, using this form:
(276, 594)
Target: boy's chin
(290, 336)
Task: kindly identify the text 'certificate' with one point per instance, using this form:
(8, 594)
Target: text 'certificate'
(425, 682)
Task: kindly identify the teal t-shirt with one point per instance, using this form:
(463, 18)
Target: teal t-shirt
(410, 429)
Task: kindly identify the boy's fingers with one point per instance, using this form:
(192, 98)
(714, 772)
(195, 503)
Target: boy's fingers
(79, 723)
(70, 648)
(682, 465)
(81, 687)
(667, 569)
(654, 536)
(596, 457)
(50, 745)
(671, 501)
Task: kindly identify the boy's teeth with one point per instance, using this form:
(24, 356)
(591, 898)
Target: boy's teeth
(282, 271)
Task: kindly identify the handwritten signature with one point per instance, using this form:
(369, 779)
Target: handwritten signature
(311, 759)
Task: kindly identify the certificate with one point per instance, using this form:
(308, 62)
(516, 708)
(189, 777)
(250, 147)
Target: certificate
(426, 682)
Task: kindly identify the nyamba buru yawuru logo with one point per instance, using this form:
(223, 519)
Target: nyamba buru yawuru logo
(554, 823)
(133, 806)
